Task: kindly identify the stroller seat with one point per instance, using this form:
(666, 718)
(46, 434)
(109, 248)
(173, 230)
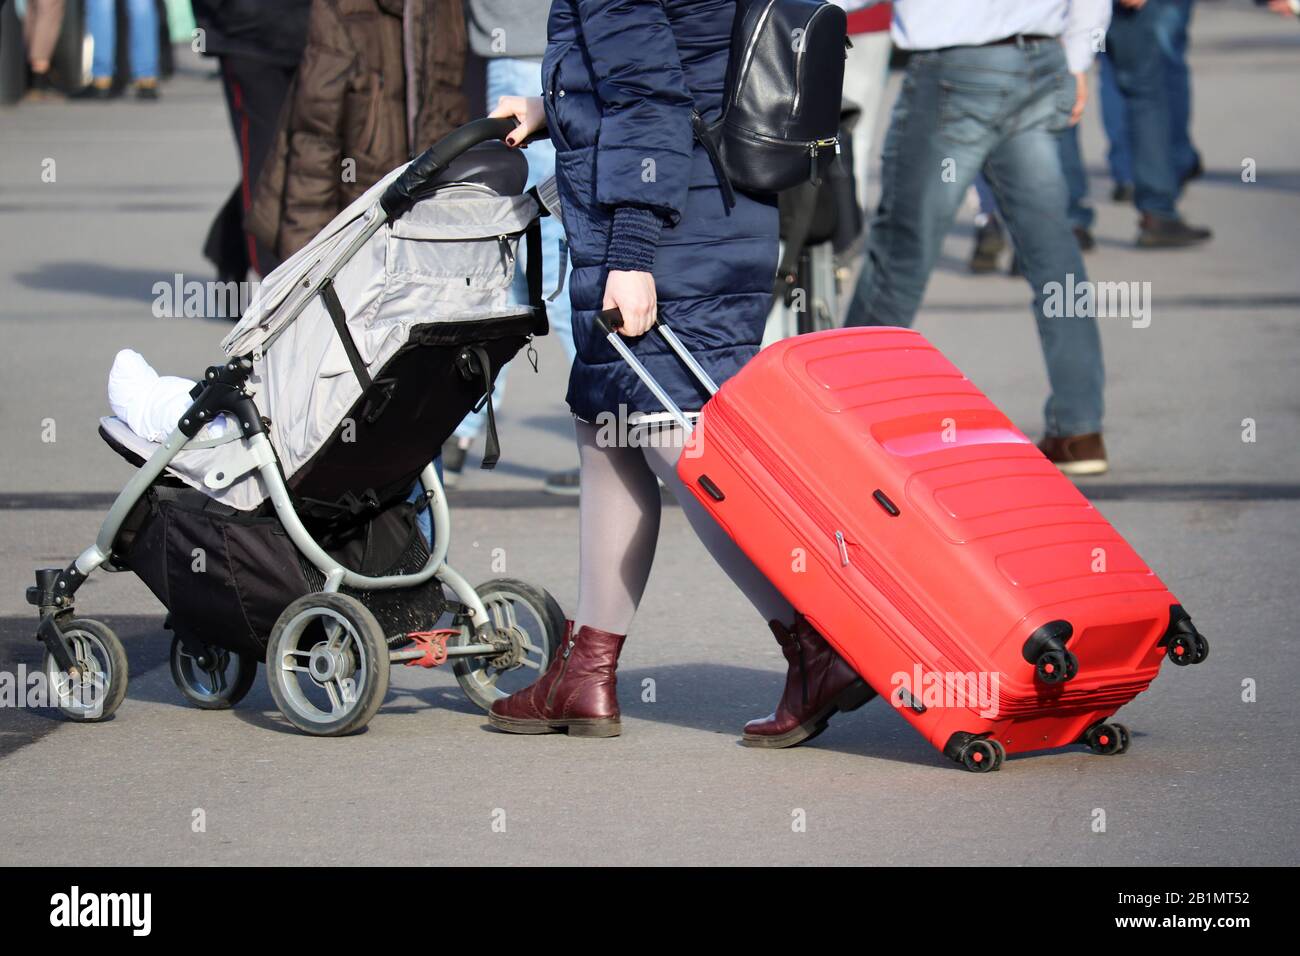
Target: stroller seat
(118, 435)
(225, 467)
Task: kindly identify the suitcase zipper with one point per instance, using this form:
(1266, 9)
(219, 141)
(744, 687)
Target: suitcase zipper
(823, 519)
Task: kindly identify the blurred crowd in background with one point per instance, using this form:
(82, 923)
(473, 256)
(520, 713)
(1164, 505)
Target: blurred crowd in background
(326, 96)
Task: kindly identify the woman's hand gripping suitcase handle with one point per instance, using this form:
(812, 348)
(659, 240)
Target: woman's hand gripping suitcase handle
(610, 321)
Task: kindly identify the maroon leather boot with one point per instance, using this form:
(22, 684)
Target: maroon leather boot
(576, 694)
(818, 685)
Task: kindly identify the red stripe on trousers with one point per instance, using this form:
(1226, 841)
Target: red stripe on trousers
(246, 187)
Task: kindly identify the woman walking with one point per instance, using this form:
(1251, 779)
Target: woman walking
(650, 235)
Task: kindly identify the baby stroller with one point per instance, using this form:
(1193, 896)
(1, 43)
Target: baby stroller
(274, 521)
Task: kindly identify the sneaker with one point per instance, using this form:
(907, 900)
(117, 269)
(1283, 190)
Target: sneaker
(1161, 232)
(1086, 242)
(146, 89)
(1076, 454)
(454, 453)
(989, 244)
(99, 89)
(1122, 193)
(561, 483)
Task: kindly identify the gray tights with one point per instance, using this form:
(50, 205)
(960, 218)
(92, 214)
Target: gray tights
(619, 527)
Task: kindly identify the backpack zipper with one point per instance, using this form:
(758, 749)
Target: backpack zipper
(743, 72)
(798, 64)
(813, 147)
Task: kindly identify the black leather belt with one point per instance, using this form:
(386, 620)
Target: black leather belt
(1020, 39)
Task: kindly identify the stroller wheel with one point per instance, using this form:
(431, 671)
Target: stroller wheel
(327, 664)
(526, 616)
(94, 692)
(215, 678)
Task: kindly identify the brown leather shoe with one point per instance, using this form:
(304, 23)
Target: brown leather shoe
(1168, 232)
(1076, 454)
(818, 685)
(577, 694)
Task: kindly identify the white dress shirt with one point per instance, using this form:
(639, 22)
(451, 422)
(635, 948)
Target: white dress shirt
(935, 24)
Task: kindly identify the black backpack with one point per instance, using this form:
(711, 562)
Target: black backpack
(781, 108)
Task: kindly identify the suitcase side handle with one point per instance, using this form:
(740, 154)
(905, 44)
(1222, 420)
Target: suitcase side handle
(609, 321)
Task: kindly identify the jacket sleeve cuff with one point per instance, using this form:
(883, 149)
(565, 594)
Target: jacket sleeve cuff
(633, 239)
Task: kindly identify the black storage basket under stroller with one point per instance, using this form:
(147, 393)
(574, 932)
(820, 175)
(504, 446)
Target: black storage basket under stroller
(225, 576)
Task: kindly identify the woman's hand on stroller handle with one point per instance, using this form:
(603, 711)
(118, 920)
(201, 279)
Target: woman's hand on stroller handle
(527, 111)
(402, 192)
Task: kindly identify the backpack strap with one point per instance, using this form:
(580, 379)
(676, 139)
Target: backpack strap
(533, 273)
(797, 229)
(547, 196)
(701, 131)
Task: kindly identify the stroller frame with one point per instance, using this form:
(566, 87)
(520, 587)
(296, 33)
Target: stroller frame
(223, 391)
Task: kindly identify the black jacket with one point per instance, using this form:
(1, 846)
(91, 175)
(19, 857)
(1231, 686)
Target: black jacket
(271, 30)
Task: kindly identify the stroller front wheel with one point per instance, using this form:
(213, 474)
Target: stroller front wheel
(327, 664)
(93, 692)
(215, 678)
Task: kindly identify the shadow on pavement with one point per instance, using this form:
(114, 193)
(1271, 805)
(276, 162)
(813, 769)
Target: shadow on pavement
(94, 278)
(714, 698)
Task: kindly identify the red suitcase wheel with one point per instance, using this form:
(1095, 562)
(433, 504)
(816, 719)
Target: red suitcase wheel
(1107, 739)
(982, 756)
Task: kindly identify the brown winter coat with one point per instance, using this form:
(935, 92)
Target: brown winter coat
(380, 80)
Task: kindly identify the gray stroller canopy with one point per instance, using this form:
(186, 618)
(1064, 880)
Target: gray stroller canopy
(449, 259)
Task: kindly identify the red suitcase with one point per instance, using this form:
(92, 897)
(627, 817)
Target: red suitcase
(960, 573)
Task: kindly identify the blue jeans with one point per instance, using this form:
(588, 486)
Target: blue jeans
(1167, 23)
(423, 519)
(1114, 118)
(1173, 18)
(101, 22)
(1079, 211)
(988, 204)
(510, 77)
(996, 109)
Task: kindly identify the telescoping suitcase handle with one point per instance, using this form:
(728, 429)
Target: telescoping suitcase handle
(611, 320)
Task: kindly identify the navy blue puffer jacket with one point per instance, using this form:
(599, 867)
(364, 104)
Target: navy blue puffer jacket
(621, 79)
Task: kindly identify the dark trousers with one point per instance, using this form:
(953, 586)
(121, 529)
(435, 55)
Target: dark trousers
(1133, 48)
(255, 92)
(1173, 18)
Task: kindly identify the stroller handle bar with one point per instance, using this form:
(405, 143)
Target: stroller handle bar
(403, 192)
